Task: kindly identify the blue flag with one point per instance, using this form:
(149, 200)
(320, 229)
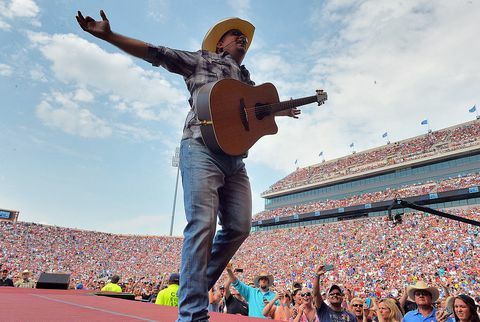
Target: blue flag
(473, 109)
(351, 145)
(296, 161)
(384, 135)
(424, 122)
(320, 154)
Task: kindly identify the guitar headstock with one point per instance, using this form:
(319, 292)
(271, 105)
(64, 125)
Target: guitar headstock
(321, 96)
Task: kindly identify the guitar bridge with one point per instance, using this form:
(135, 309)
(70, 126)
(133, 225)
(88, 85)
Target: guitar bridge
(244, 115)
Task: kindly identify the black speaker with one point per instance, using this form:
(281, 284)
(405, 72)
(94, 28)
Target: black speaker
(54, 281)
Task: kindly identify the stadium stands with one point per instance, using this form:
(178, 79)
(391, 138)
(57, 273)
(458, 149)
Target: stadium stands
(422, 147)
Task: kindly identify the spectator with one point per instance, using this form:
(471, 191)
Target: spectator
(169, 295)
(306, 311)
(113, 286)
(334, 311)
(358, 309)
(214, 299)
(297, 300)
(25, 281)
(279, 307)
(5, 280)
(424, 297)
(464, 310)
(255, 296)
(387, 310)
(234, 302)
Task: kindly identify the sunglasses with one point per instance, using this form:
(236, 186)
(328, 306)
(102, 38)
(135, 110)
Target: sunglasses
(306, 294)
(236, 33)
(335, 294)
(424, 293)
(357, 305)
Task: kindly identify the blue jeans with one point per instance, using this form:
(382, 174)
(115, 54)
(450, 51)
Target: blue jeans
(214, 185)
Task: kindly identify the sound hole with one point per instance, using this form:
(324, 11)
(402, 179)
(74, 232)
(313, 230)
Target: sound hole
(262, 110)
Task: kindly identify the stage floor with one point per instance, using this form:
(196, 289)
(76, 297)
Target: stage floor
(19, 304)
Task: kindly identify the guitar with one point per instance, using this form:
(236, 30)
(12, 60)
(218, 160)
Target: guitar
(233, 115)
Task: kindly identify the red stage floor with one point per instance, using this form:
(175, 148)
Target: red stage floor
(18, 304)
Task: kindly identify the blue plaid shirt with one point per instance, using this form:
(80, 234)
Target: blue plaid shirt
(197, 68)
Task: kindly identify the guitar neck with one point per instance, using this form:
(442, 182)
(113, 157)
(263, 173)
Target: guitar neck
(285, 105)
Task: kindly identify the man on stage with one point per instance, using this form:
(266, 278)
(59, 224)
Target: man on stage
(214, 184)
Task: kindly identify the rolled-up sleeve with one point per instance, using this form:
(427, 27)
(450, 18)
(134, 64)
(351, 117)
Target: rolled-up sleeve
(176, 61)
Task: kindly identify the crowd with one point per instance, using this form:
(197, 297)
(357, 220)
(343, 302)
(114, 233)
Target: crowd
(369, 256)
(424, 146)
(417, 189)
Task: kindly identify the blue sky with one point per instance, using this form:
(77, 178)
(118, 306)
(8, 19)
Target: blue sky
(87, 132)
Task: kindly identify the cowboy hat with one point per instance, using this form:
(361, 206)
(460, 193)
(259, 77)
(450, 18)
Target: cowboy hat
(215, 33)
(421, 285)
(265, 275)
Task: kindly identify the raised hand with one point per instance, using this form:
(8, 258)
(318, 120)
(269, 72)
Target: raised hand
(320, 270)
(100, 29)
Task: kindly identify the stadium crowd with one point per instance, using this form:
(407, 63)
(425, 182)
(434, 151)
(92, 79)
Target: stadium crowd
(424, 146)
(371, 197)
(371, 257)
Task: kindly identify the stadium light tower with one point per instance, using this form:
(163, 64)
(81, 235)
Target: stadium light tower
(176, 164)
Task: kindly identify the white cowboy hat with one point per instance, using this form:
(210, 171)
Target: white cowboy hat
(263, 274)
(220, 28)
(421, 285)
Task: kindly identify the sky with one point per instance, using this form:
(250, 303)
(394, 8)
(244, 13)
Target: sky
(87, 132)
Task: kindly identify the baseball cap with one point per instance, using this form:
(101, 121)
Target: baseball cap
(174, 278)
(333, 287)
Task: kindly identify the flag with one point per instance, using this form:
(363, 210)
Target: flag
(320, 154)
(473, 109)
(384, 135)
(296, 161)
(351, 145)
(424, 122)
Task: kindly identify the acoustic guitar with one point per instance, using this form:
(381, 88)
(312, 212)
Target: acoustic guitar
(233, 115)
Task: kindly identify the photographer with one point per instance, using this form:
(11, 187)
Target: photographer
(335, 311)
(234, 302)
(255, 296)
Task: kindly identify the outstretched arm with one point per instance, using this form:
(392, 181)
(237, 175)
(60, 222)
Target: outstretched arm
(317, 296)
(101, 29)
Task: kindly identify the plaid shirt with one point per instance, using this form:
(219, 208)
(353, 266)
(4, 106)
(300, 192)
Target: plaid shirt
(197, 68)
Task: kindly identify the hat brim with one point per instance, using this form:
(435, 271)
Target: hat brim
(215, 33)
(432, 290)
(257, 279)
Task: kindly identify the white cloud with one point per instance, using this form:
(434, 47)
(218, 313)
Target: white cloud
(76, 61)
(5, 70)
(61, 110)
(387, 67)
(157, 10)
(241, 8)
(15, 9)
(37, 74)
(83, 95)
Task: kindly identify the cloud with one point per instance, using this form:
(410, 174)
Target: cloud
(15, 9)
(157, 10)
(145, 94)
(62, 110)
(385, 68)
(241, 8)
(5, 70)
